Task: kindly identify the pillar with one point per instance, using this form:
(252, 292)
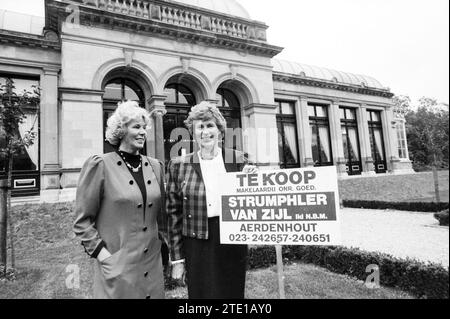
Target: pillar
(261, 135)
(49, 150)
(155, 142)
(305, 134)
(336, 139)
(364, 141)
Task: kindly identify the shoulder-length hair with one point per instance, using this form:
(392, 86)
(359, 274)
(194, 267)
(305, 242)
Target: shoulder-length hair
(122, 116)
(206, 111)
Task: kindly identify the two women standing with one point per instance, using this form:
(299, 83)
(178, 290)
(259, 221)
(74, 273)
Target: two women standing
(121, 210)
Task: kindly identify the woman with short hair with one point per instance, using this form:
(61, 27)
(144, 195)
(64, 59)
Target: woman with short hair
(120, 211)
(212, 270)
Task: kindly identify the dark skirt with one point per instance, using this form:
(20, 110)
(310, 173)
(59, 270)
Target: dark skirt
(214, 271)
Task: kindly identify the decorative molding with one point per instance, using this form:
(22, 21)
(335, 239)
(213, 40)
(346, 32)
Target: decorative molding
(260, 109)
(128, 55)
(204, 26)
(28, 40)
(233, 71)
(185, 64)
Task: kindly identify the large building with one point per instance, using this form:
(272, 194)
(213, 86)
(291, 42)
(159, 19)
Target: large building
(88, 55)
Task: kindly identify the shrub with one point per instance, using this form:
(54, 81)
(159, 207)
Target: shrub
(442, 217)
(421, 279)
(407, 206)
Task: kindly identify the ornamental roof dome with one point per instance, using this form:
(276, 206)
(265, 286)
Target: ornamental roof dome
(320, 73)
(230, 7)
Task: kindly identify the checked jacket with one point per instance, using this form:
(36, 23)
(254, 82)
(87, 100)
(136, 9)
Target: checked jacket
(186, 198)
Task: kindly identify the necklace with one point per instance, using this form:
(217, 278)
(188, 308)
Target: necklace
(133, 169)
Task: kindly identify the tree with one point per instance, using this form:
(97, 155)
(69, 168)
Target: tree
(12, 114)
(402, 105)
(427, 134)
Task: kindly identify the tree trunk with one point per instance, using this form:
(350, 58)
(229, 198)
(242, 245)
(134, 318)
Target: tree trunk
(3, 224)
(10, 219)
(436, 180)
(436, 184)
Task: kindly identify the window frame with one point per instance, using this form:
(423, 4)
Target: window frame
(285, 119)
(320, 121)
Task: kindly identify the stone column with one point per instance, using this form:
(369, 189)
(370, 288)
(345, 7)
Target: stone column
(390, 139)
(155, 141)
(364, 141)
(262, 135)
(336, 139)
(50, 164)
(305, 134)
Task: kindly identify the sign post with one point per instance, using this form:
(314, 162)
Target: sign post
(281, 207)
(280, 272)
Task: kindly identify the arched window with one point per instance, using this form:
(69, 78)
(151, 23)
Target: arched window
(179, 94)
(179, 101)
(229, 106)
(227, 98)
(119, 90)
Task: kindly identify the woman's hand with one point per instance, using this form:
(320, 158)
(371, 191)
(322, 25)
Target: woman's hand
(179, 272)
(250, 169)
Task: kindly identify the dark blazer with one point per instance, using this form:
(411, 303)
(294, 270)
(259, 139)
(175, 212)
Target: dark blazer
(186, 204)
(109, 209)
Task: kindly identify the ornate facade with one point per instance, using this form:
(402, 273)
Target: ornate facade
(170, 55)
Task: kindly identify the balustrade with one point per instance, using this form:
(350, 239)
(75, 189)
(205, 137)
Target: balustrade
(180, 16)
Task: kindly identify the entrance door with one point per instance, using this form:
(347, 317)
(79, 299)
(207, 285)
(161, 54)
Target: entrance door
(350, 141)
(376, 141)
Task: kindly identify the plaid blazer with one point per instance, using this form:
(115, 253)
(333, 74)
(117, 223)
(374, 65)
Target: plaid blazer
(186, 204)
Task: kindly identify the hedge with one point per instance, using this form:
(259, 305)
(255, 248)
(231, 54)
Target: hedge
(408, 206)
(420, 279)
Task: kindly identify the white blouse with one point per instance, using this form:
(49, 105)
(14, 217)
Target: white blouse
(212, 172)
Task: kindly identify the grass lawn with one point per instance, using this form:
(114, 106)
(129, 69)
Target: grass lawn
(395, 188)
(45, 247)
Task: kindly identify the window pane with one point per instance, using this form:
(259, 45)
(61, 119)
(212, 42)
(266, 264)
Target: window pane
(25, 85)
(342, 113)
(353, 146)
(185, 96)
(130, 94)
(311, 112)
(376, 116)
(290, 141)
(377, 145)
(315, 144)
(287, 108)
(325, 148)
(344, 142)
(280, 143)
(351, 114)
(113, 92)
(171, 95)
(231, 99)
(321, 111)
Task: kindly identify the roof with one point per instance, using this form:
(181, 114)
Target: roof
(319, 73)
(230, 7)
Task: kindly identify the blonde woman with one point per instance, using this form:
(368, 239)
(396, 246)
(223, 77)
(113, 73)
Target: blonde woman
(120, 214)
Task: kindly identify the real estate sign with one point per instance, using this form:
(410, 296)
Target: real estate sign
(281, 207)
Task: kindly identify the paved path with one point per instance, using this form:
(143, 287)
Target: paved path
(399, 233)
